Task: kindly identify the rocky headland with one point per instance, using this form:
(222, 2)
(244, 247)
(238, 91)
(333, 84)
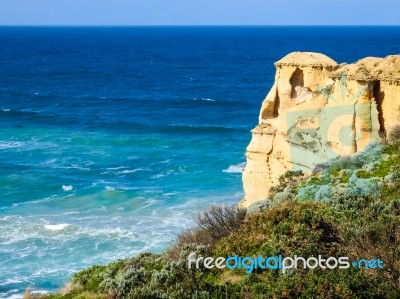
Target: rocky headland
(316, 110)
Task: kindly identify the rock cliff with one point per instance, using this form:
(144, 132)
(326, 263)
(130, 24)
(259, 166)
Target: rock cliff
(318, 109)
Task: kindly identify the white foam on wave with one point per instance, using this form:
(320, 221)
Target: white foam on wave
(10, 144)
(57, 163)
(71, 213)
(238, 168)
(169, 172)
(73, 166)
(56, 227)
(204, 99)
(10, 281)
(14, 205)
(67, 187)
(122, 170)
(158, 176)
(152, 228)
(6, 110)
(131, 170)
(21, 295)
(25, 145)
(116, 168)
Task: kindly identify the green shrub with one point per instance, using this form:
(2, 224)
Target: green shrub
(392, 148)
(259, 206)
(89, 279)
(290, 178)
(220, 221)
(394, 134)
(212, 225)
(308, 192)
(379, 237)
(286, 194)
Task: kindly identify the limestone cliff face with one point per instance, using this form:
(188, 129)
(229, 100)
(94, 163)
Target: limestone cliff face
(316, 110)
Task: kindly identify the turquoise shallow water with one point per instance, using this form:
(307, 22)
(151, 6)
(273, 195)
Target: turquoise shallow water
(75, 199)
(112, 139)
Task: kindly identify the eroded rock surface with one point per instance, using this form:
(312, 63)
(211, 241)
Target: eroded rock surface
(316, 110)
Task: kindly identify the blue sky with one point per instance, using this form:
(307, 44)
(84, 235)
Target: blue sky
(199, 12)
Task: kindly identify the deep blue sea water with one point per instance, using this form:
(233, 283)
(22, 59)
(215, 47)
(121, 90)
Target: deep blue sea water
(111, 139)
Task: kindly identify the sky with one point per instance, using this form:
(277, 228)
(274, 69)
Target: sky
(199, 12)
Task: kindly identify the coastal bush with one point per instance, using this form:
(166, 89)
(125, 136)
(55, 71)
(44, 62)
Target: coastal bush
(212, 225)
(372, 153)
(189, 236)
(220, 221)
(90, 279)
(73, 294)
(394, 134)
(369, 157)
(320, 167)
(259, 206)
(379, 236)
(308, 192)
(287, 194)
(129, 281)
(393, 148)
(145, 276)
(314, 180)
(289, 228)
(290, 178)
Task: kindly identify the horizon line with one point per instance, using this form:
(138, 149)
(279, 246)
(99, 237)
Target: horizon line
(208, 25)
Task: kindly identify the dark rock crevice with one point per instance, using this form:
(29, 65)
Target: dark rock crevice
(296, 80)
(379, 96)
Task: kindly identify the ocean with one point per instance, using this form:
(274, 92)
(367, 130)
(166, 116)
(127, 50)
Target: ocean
(113, 138)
